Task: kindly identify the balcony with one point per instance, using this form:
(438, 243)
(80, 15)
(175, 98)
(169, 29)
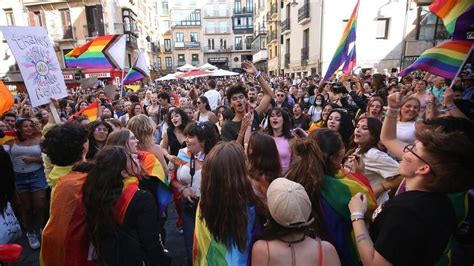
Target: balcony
(209, 49)
(304, 55)
(224, 13)
(155, 48)
(130, 28)
(187, 45)
(93, 30)
(271, 36)
(238, 47)
(186, 23)
(285, 26)
(167, 49)
(243, 10)
(131, 41)
(274, 10)
(216, 30)
(287, 60)
(303, 14)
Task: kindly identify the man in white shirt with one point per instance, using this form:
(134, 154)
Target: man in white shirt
(212, 95)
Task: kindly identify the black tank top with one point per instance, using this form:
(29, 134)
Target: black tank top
(173, 142)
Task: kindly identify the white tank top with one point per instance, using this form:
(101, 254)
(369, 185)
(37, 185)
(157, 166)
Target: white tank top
(19, 166)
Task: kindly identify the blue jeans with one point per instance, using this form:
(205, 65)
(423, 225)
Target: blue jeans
(188, 233)
(31, 182)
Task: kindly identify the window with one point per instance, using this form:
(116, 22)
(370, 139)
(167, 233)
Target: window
(237, 7)
(179, 36)
(158, 63)
(223, 43)
(223, 27)
(36, 18)
(211, 27)
(181, 59)
(249, 4)
(194, 37)
(238, 43)
(167, 45)
(305, 38)
(222, 10)
(66, 21)
(10, 17)
(210, 44)
(164, 7)
(169, 62)
(166, 25)
(428, 25)
(195, 59)
(248, 42)
(187, 17)
(382, 28)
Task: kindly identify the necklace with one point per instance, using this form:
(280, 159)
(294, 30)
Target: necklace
(290, 244)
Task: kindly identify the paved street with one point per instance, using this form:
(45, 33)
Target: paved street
(175, 245)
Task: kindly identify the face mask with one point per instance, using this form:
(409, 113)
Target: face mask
(318, 102)
(306, 100)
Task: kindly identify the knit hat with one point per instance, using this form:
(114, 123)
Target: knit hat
(289, 203)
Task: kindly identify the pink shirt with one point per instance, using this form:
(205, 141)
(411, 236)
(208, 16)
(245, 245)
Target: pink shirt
(284, 151)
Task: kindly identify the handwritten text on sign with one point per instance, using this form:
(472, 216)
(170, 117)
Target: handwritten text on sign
(38, 63)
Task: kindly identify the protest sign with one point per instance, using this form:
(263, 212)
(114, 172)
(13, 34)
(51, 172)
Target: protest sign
(38, 63)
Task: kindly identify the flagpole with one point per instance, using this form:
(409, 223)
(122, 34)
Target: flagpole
(121, 83)
(462, 65)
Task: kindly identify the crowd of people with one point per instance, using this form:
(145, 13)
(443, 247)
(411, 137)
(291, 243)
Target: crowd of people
(262, 170)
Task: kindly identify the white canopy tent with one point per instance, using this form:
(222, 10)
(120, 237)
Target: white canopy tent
(208, 66)
(169, 76)
(222, 72)
(186, 67)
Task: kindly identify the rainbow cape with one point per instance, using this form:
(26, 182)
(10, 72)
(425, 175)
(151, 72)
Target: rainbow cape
(152, 167)
(9, 135)
(138, 71)
(443, 60)
(336, 192)
(91, 112)
(345, 52)
(106, 51)
(6, 98)
(208, 251)
(451, 10)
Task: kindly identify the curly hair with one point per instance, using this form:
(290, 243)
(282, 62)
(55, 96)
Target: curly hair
(143, 128)
(184, 118)
(205, 132)
(238, 88)
(346, 127)
(18, 125)
(64, 144)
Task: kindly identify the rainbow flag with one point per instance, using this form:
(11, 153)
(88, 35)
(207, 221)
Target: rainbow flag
(208, 251)
(443, 60)
(6, 98)
(91, 111)
(345, 52)
(9, 135)
(152, 167)
(450, 10)
(106, 51)
(138, 71)
(336, 192)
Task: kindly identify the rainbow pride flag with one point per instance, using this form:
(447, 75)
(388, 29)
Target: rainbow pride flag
(138, 71)
(208, 251)
(443, 60)
(336, 192)
(91, 111)
(106, 51)
(450, 10)
(345, 52)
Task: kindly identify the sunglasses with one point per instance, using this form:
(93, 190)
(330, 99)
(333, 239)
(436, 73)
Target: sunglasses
(280, 95)
(410, 148)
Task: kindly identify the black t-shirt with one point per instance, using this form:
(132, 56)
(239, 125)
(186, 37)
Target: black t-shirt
(413, 228)
(230, 130)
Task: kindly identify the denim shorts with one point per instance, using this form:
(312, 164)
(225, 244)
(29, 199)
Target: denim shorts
(31, 182)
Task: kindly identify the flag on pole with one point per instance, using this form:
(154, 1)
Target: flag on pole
(450, 11)
(91, 112)
(345, 52)
(106, 51)
(443, 60)
(6, 98)
(138, 71)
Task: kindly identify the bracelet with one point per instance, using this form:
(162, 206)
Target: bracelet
(258, 74)
(449, 108)
(393, 111)
(357, 214)
(357, 219)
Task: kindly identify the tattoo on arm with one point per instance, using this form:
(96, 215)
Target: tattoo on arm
(361, 238)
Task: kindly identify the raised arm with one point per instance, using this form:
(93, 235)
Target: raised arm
(389, 128)
(267, 91)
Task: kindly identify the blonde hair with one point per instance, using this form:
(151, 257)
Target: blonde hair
(143, 128)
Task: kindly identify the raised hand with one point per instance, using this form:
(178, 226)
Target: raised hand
(248, 67)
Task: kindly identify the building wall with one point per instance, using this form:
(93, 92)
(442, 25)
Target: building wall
(273, 36)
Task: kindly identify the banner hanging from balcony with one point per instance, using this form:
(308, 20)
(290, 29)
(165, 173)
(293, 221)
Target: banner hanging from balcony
(106, 51)
(346, 50)
(38, 63)
(138, 71)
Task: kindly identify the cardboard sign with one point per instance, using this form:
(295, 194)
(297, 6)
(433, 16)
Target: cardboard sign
(38, 63)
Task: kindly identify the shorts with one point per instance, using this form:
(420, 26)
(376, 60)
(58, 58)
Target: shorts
(31, 182)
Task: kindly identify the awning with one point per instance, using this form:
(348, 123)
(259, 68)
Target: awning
(102, 73)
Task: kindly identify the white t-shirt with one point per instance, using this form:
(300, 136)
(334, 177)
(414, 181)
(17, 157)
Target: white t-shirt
(214, 98)
(378, 166)
(406, 131)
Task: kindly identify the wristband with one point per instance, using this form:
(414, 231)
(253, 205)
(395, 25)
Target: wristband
(357, 219)
(357, 214)
(258, 74)
(449, 108)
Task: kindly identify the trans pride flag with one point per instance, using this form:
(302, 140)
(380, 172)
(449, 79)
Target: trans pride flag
(345, 52)
(443, 60)
(106, 51)
(138, 71)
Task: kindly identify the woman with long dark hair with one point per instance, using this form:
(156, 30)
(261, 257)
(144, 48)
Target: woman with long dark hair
(225, 228)
(340, 121)
(122, 221)
(204, 112)
(30, 180)
(174, 138)
(279, 127)
(99, 131)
